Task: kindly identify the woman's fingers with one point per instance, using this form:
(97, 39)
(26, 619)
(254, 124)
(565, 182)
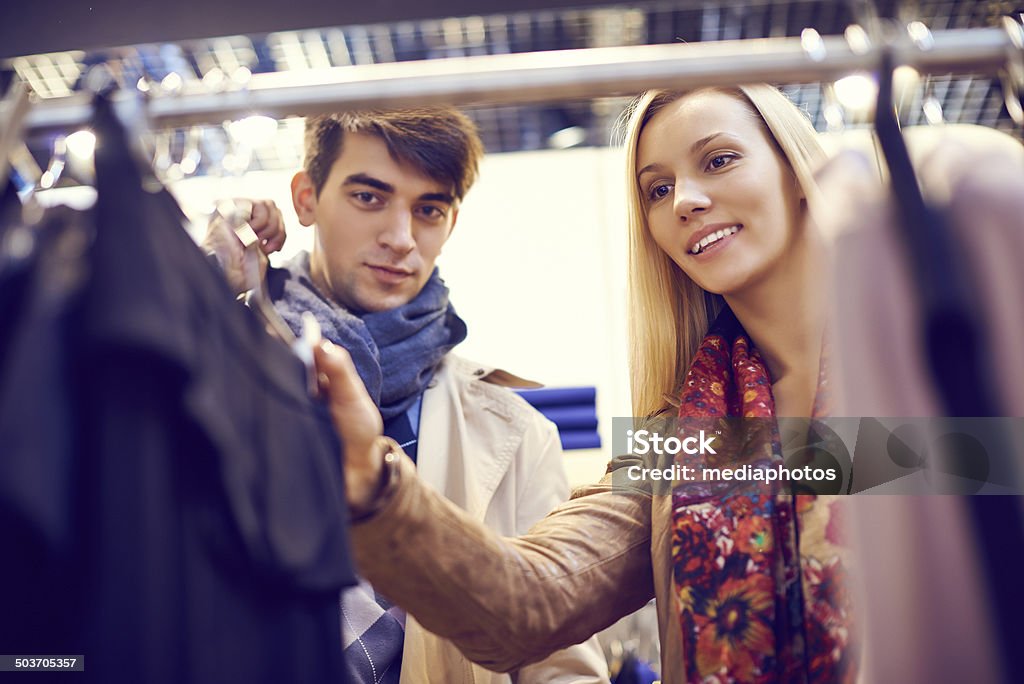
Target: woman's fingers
(354, 413)
(356, 419)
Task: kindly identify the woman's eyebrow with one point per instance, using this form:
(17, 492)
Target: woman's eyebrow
(697, 146)
(649, 167)
(694, 148)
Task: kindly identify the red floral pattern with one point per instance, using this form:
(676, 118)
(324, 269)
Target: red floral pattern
(732, 634)
(754, 606)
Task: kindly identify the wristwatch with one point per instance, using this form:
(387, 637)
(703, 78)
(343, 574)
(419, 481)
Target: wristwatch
(388, 484)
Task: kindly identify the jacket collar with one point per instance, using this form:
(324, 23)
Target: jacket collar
(470, 430)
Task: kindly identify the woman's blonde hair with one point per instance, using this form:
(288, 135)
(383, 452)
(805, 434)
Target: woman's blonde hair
(669, 314)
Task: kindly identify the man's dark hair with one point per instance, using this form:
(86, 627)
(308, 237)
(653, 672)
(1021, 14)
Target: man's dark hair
(440, 142)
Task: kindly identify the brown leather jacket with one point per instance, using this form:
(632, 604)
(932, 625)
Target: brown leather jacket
(509, 602)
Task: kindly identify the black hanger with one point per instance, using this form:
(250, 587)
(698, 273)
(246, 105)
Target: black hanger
(953, 340)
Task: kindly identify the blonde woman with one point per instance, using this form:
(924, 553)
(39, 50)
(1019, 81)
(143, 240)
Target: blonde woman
(728, 318)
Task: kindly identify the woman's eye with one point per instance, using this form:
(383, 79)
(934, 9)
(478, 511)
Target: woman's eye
(659, 191)
(721, 160)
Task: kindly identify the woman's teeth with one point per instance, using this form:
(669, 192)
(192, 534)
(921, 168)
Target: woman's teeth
(713, 238)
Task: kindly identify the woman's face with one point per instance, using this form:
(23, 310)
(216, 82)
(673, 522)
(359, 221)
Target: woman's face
(720, 200)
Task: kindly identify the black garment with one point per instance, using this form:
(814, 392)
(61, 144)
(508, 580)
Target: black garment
(37, 288)
(195, 528)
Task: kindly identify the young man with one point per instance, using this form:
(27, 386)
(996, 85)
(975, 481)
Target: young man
(383, 191)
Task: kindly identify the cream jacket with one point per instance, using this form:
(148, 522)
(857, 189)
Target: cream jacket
(486, 450)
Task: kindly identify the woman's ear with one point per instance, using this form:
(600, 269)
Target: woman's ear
(304, 198)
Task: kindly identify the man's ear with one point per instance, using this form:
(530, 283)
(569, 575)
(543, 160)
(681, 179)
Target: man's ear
(304, 198)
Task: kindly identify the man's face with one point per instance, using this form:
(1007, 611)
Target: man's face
(380, 225)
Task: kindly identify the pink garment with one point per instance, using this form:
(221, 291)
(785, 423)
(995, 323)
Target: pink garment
(978, 174)
(922, 587)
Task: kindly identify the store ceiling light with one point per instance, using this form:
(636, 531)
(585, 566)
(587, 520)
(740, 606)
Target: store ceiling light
(857, 93)
(253, 131)
(568, 137)
(172, 82)
(813, 45)
(241, 76)
(932, 109)
(81, 144)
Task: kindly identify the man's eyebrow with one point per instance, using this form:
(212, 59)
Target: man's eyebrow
(437, 197)
(694, 148)
(364, 179)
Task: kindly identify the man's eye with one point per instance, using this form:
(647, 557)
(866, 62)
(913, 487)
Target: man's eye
(365, 197)
(432, 212)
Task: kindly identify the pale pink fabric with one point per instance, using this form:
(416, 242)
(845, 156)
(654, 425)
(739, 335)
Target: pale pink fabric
(924, 596)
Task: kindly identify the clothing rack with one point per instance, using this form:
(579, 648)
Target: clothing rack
(556, 76)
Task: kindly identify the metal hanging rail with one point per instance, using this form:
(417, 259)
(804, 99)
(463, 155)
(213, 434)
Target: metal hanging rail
(551, 76)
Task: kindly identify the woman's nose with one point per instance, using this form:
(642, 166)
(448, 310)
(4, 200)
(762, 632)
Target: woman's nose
(690, 199)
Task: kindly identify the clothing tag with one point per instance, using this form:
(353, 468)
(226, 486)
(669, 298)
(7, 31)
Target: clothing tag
(303, 348)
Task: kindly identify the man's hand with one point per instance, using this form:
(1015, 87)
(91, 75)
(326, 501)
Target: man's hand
(268, 224)
(357, 421)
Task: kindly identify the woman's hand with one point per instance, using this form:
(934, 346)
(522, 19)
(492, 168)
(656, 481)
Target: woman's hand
(357, 421)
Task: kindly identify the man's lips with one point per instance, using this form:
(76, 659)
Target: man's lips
(389, 274)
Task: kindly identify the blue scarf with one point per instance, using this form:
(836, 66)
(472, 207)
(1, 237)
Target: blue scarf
(395, 351)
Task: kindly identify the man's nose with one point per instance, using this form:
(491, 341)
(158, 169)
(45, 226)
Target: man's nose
(690, 199)
(397, 233)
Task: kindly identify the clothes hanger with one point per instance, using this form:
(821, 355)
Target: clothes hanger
(15, 244)
(13, 109)
(19, 243)
(1012, 77)
(237, 213)
(953, 340)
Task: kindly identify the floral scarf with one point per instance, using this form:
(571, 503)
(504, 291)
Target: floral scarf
(759, 582)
